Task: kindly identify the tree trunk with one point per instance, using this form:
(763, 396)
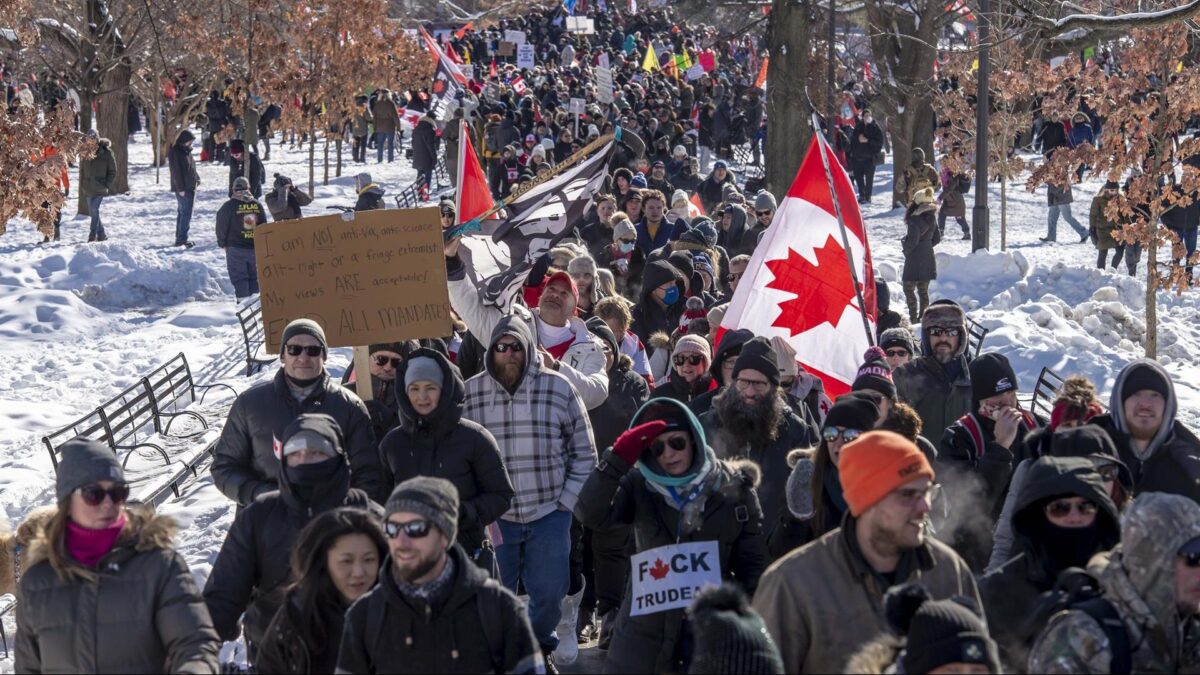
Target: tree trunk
(312, 159)
(338, 144)
(789, 121)
(85, 124)
(325, 179)
(1003, 214)
(112, 121)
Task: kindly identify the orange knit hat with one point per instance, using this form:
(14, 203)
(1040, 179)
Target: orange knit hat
(876, 463)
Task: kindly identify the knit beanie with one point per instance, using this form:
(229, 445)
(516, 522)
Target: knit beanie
(84, 461)
(876, 463)
(639, 180)
(765, 201)
(424, 369)
(898, 337)
(432, 498)
(1141, 377)
(757, 354)
(600, 329)
(241, 184)
(875, 374)
(303, 327)
(311, 431)
(938, 632)
(693, 344)
(624, 230)
(678, 196)
(729, 636)
(584, 264)
(704, 226)
(403, 348)
(852, 412)
(991, 374)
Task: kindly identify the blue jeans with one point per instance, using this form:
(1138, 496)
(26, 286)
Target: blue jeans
(1052, 221)
(538, 554)
(183, 216)
(380, 138)
(243, 271)
(425, 178)
(97, 229)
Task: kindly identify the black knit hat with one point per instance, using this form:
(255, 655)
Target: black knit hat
(938, 632)
(1141, 377)
(898, 337)
(597, 327)
(403, 348)
(303, 327)
(730, 637)
(84, 461)
(852, 412)
(433, 498)
(875, 374)
(757, 354)
(991, 374)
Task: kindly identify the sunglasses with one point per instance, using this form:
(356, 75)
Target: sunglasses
(384, 360)
(93, 494)
(1190, 559)
(447, 214)
(832, 433)
(413, 529)
(1109, 473)
(1062, 508)
(760, 214)
(502, 347)
(312, 350)
(951, 332)
(627, 241)
(676, 443)
(897, 352)
(694, 359)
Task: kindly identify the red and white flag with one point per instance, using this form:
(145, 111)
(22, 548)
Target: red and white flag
(519, 87)
(799, 285)
(412, 119)
(473, 198)
(695, 207)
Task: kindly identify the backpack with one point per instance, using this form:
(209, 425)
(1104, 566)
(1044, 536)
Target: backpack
(964, 184)
(1077, 589)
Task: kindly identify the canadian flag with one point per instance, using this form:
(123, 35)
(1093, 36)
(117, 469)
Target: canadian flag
(695, 207)
(799, 283)
(412, 119)
(519, 87)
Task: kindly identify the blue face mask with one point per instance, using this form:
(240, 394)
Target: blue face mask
(626, 248)
(671, 296)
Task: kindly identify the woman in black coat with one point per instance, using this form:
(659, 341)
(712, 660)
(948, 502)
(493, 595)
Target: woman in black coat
(920, 267)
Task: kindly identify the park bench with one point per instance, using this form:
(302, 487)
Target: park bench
(975, 335)
(253, 337)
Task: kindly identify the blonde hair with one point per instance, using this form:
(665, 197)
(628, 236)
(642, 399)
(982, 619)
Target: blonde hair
(614, 308)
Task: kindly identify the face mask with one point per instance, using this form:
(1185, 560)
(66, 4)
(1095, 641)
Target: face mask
(314, 474)
(626, 248)
(671, 296)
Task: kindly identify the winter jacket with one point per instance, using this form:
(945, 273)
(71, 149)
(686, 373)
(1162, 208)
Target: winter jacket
(865, 151)
(244, 465)
(257, 175)
(919, 261)
(666, 233)
(182, 165)
(954, 205)
(385, 115)
(807, 597)
(915, 178)
(250, 118)
(480, 628)
(940, 393)
(361, 126)
(738, 238)
(582, 364)
(627, 391)
(424, 146)
(711, 191)
(140, 613)
(1052, 137)
(1056, 196)
(650, 317)
(287, 206)
(252, 567)
(370, 198)
(444, 445)
(1181, 218)
(681, 390)
(285, 649)
(1010, 593)
(236, 222)
(98, 174)
(729, 514)
(1100, 223)
(542, 429)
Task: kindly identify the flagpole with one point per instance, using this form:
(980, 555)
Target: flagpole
(837, 212)
(462, 165)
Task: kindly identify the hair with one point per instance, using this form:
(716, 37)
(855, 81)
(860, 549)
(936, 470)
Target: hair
(606, 198)
(822, 520)
(618, 216)
(1077, 391)
(606, 282)
(633, 196)
(904, 420)
(649, 194)
(614, 308)
(742, 259)
(56, 546)
(311, 585)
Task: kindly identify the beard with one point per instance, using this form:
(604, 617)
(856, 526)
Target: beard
(749, 425)
(508, 374)
(410, 572)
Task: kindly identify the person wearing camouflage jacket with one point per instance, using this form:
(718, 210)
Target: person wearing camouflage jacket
(1142, 579)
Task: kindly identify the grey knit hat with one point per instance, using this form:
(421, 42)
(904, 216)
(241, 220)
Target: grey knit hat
(303, 327)
(730, 637)
(433, 498)
(241, 184)
(424, 369)
(765, 201)
(85, 461)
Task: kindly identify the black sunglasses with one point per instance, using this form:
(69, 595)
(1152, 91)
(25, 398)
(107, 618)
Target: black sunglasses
(694, 359)
(413, 529)
(897, 352)
(731, 277)
(312, 350)
(93, 494)
(676, 443)
(1191, 559)
(384, 360)
(760, 214)
(502, 347)
(951, 332)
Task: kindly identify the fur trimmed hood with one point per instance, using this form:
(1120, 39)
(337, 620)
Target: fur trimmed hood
(877, 656)
(746, 470)
(659, 340)
(144, 529)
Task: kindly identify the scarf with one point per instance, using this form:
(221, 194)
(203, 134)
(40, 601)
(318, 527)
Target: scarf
(243, 196)
(89, 546)
(432, 592)
(687, 494)
(368, 186)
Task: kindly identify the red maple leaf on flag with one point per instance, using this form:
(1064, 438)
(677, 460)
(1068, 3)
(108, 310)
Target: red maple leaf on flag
(823, 291)
(659, 570)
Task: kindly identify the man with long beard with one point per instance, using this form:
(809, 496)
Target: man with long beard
(751, 419)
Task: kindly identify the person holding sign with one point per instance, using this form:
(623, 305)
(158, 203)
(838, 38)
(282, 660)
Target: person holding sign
(696, 521)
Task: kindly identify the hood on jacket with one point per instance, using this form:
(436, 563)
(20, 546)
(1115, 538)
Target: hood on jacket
(656, 274)
(518, 327)
(144, 531)
(363, 183)
(450, 404)
(730, 340)
(944, 313)
(1116, 403)
(332, 493)
(671, 409)
(184, 138)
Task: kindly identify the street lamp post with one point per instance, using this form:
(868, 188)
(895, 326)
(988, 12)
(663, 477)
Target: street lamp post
(979, 214)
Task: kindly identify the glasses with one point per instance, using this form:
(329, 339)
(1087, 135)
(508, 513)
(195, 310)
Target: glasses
(382, 361)
(950, 332)
(910, 496)
(627, 241)
(743, 384)
(447, 214)
(760, 214)
(897, 353)
(694, 359)
(93, 494)
(732, 277)
(413, 529)
(676, 443)
(833, 433)
(312, 350)
(1190, 559)
(502, 347)
(1061, 508)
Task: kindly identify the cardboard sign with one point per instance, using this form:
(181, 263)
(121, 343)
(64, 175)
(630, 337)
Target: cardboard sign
(378, 277)
(604, 85)
(577, 106)
(695, 72)
(507, 48)
(669, 577)
(515, 36)
(525, 55)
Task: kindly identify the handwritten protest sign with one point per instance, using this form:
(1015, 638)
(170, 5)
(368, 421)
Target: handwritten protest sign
(669, 577)
(525, 55)
(378, 277)
(604, 85)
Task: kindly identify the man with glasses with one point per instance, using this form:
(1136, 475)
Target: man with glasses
(737, 268)
(385, 360)
(806, 597)
(429, 595)
(938, 384)
(1150, 584)
(897, 346)
(751, 419)
(246, 462)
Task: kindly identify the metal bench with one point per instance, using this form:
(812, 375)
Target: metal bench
(975, 335)
(129, 417)
(90, 425)
(7, 604)
(169, 384)
(1045, 391)
(409, 197)
(440, 175)
(253, 337)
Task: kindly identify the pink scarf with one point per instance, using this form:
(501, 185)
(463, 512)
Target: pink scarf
(89, 546)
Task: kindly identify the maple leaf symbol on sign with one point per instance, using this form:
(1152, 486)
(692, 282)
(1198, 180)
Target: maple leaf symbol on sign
(659, 570)
(823, 291)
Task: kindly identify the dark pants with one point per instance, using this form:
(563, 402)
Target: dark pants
(359, 150)
(243, 272)
(941, 222)
(864, 177)
(916, 294)
(183, 215)
(383, 138)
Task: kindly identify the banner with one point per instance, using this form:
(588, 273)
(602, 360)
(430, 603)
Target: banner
(669, 577)
(448, 80)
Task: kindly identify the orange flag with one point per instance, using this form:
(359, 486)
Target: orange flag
(761, 81)
(492, 70)
(458, 34)
(473, 198)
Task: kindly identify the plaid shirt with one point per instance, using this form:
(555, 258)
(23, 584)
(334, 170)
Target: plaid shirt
(544, 436)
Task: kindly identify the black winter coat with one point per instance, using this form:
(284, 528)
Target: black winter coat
(480, 628)
(424, 146)
(245, 465)
(1173, 466)
(257, 176)
(627, 391)
(918, 243)
(649, 316)
(444, 445)
(284, 648)
(863, 151)
(234, 222)
(182, 165)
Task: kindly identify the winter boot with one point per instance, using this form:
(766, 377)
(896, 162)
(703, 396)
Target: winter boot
(607, 623)
(568, 641)
(551, 669)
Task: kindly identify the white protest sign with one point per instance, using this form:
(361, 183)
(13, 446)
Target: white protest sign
(602, 60)
(669, 577)
(604, 85)
(581, 24)
(577, 106)
(517, 36)
(695, 72)
(525, 55)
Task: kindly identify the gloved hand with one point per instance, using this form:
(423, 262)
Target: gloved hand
(631, 443)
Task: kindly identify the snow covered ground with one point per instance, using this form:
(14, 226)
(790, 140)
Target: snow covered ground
(79, 322)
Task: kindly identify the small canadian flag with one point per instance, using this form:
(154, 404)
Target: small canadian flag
(519, 87)
(277, 447)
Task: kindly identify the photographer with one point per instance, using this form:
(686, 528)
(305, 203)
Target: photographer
(285, 199)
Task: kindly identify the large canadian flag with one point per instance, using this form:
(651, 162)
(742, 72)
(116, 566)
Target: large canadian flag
(798, 284)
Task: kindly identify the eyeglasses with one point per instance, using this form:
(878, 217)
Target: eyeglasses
(93, 494)
(312, 350)
(897, 353)
(743, 384)
(676, 443)
(910, 496)
(413, 529)
(1061, 508)
(382, 361)
(502, 347)
(831, 434)
(760, 214)
(1190, 559)
(694, 359)
(951, 332)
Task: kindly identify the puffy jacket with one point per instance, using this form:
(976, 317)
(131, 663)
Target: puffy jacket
(236, 222)
(443, 444)
(1099, 222)
(424, 146)
(385, 115)
(98, 174)
(1056, 196)
(712, 191)
(614, 495)
(480, 628)
(140, 613)
(245, 465)
(864, 151)
(182, 165)
(286, 206)
(928, 386)
(627, 391)
(284, 648)
(370, 198)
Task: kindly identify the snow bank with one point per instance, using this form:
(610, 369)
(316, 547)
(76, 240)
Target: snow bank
(129, 276)
(974, 279)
